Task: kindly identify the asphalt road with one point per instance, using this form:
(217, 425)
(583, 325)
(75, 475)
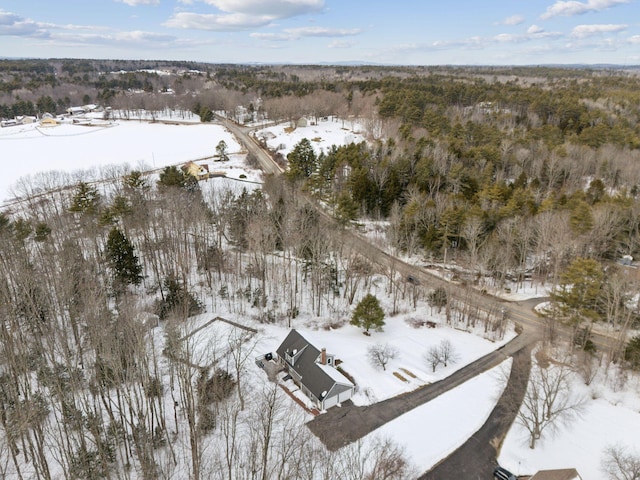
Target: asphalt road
(252, 146)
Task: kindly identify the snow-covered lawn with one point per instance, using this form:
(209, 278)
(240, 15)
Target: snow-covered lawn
(610, 417)
(349, 345)
(432, 431)
(428, 433)
(326, 133)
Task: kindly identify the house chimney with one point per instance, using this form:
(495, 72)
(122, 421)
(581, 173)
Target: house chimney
(323, 356)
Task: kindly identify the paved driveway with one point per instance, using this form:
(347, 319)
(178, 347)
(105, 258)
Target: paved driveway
(341, 426)
(476, 459)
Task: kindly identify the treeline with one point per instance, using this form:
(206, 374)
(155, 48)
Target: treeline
(89, 389)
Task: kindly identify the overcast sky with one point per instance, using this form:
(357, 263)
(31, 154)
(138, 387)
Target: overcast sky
(423, 32)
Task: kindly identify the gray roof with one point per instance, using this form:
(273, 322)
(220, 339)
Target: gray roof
(563, 474)
(312, 374)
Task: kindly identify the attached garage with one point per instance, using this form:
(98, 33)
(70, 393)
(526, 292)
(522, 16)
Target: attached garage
(313, 370)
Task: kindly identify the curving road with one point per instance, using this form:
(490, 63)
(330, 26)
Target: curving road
(477, 457)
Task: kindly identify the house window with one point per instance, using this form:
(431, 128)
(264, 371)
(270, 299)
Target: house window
(329, 360)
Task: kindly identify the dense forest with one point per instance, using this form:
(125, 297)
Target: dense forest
(504, 175)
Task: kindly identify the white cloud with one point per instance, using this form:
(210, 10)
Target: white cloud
(322, 32)
(121, 39)
(271, 8)
(509, 38)
(242, 14)
(135, 3)
(512, 20)
(341, 44)
(569, 8)
(13, 24)
(207, 21)
(297, 33)
(634, 39)
(273, 37)
(582, 31)
(533, 29)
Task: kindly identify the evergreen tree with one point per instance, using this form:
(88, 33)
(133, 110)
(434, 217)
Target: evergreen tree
(172, 177)
(368, 314)
(578, 293)
(221, 151)
(178, 300)
(135, 181)
(86, 199)
(206, 115)
(302, 160)
(122, 259)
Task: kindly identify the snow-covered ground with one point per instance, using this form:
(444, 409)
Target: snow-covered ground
(27, 152)
(373, 384)
(611, 414)
(323, 135)
(31, 150)
(455, 416)
(432, 431)
(611, 417)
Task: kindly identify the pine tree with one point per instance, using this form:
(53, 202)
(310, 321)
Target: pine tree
(368, 314)
(579, 289)
(86, 199)
(122, 259)
(302, 160)
(221, 151)
(172, 177)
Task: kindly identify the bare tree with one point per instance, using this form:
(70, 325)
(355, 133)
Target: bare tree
(548, 401)
(432, 357)
(377, 459)
(620, 463)
(447, 352)
(380, 355)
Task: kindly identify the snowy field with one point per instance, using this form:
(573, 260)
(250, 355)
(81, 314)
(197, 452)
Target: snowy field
(611, 417)
(28, 153)
(326, 133)
(29, 150)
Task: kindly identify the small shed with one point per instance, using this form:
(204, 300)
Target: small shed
(302, 122)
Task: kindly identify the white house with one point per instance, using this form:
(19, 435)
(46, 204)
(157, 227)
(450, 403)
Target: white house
(313, 369)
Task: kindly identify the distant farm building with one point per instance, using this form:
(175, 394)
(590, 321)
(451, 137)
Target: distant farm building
(48, 120)
(201, 172)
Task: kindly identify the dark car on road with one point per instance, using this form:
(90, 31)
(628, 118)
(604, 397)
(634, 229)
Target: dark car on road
(503, 474)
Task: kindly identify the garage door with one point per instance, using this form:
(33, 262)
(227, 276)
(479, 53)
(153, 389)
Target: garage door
(344, 396)
(330, 402)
